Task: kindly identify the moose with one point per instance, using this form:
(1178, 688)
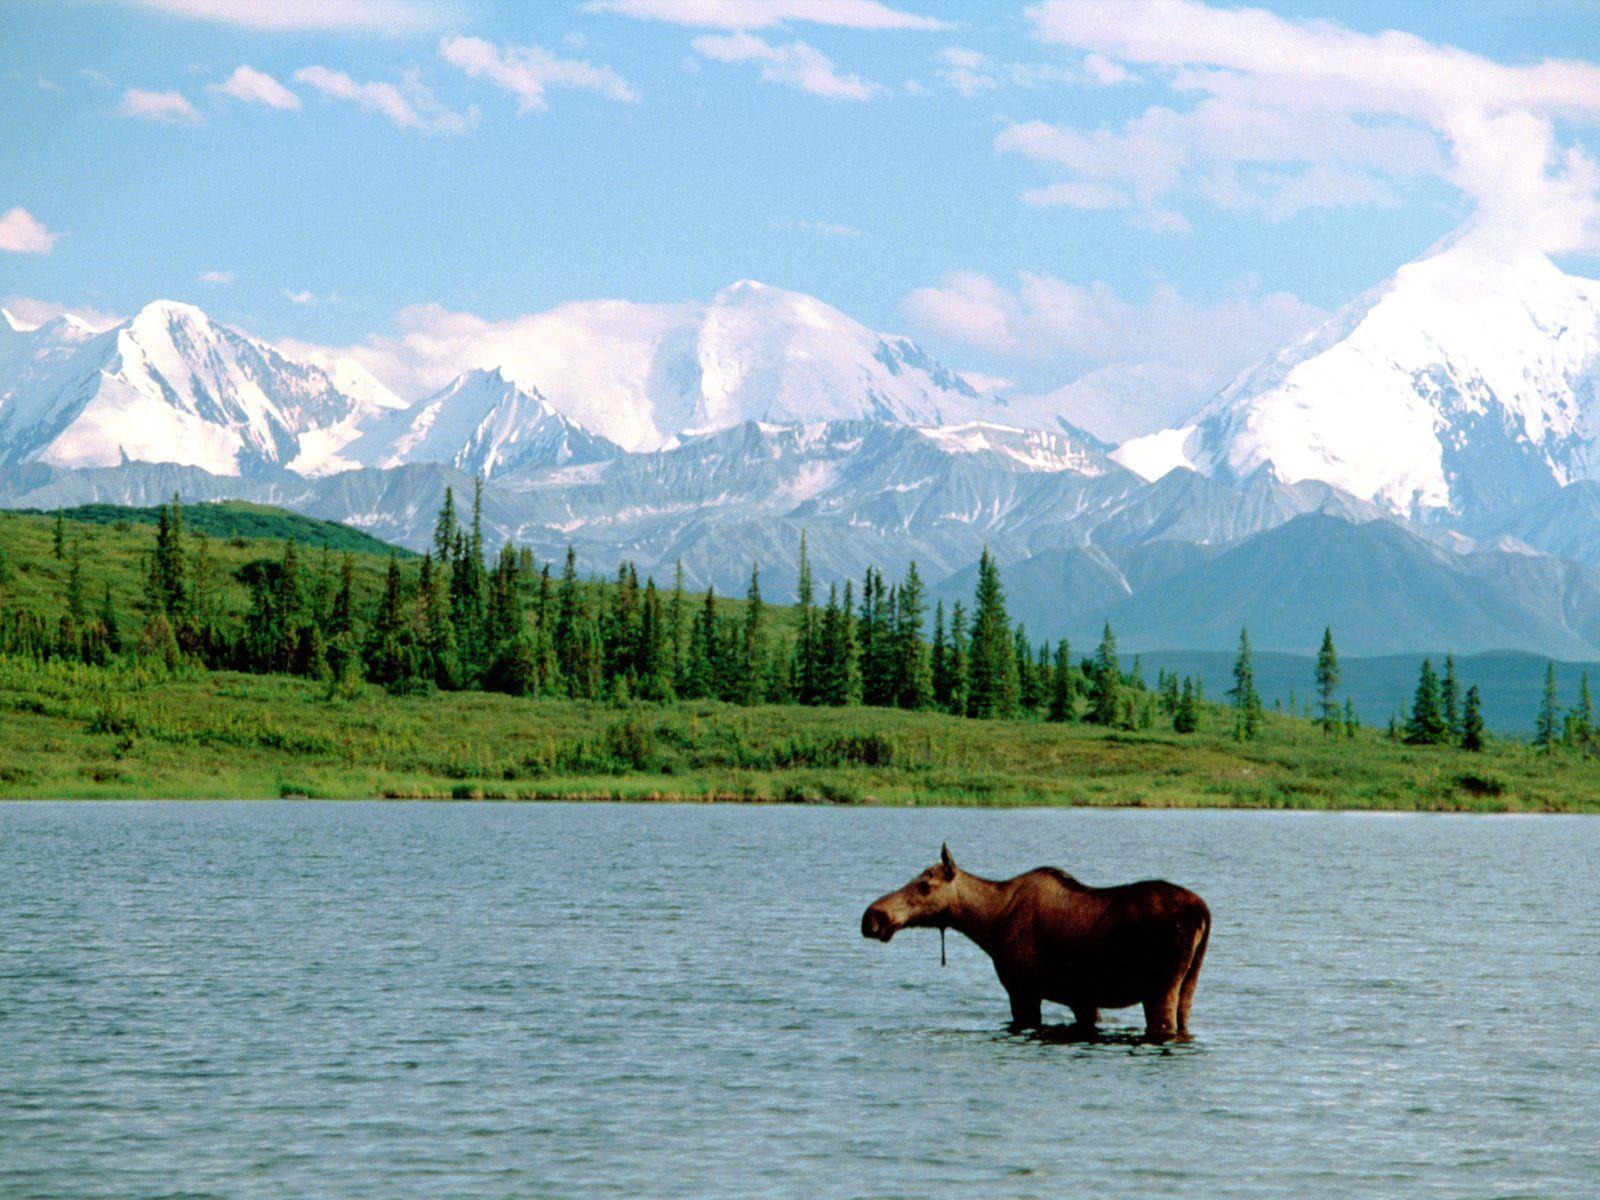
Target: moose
(1053, 938)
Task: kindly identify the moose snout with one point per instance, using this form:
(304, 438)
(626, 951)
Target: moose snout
(875, 923)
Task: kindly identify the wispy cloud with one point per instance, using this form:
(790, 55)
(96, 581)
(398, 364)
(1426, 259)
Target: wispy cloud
(796, 65)
(169, 108)
(764, 14)
(528, 72)
(408, 106)
(217, 277)
(386, 18)
(22, 233)
(1139, 365)
(32, 311)
(1296, 114)
(971, 73)
(820, 228)
(251, 86)
(305, 298)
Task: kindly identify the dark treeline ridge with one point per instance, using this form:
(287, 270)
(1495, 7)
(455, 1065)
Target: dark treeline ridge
(457, 620)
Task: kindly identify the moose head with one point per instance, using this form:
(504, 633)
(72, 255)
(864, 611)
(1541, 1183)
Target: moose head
(925, 901)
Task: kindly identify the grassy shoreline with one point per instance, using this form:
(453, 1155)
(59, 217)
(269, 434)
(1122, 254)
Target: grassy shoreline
(133, 732)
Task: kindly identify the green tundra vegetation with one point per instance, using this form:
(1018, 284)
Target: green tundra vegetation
(284, 659)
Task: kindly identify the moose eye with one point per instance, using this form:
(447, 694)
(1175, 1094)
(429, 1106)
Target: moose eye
(924, 887)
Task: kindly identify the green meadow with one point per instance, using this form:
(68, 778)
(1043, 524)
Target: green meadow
(144, 726)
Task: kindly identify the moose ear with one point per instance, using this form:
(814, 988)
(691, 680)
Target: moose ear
(945, 861)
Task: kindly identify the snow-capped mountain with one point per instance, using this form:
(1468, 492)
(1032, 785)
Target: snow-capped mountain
(481, 423)
(1463, 385)
(644, 374)
(171, 385)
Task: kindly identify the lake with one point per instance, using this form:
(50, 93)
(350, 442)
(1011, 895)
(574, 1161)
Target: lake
(464, 1000)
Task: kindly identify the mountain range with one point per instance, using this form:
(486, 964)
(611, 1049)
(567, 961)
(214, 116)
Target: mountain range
(1419, 472)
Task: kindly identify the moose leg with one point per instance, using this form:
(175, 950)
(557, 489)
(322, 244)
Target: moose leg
(1084, 1019)
(1190, 977)
(1161, 1015)
(1024, 1009)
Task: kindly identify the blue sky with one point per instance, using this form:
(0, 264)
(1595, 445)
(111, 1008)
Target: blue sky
(1120, 201)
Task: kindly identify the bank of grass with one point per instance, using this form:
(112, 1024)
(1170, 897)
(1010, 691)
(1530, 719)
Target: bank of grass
(136, 731)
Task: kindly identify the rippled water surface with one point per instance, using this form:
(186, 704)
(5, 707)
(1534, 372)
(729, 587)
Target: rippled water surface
(398, 1000)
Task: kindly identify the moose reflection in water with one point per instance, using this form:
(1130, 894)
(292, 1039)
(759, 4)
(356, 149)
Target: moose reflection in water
(1052, 938)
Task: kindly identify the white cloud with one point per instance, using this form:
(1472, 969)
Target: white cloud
(305, 298)
(795, 65)
(527, 72)
(409, 105)
(1136, 366)
(98, 78)
(217, 277)
(169, 108)
(967, 71)
(22, 233)
(256, 87)
(1361, 107)
(33, 312)
(745, 15)
(389, 18)
(587, 357)
(1234, 154)
(1105, 72)
(971, 73)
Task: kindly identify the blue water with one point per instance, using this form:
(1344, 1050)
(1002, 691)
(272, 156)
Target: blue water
(406, 1000)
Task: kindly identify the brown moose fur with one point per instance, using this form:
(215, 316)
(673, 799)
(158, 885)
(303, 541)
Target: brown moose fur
(1052, 938)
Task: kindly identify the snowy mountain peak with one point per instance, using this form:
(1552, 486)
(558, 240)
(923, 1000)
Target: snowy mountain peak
(481, 423)
(172, 385)
(1463, 383)
(643, 375)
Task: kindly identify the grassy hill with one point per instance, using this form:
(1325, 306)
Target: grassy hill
(233, 519)
(114, 545)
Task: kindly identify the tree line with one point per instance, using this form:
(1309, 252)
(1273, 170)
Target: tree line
(463, 620)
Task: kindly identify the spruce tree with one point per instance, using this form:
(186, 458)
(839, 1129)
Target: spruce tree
(939, 660)
(992, 682)
(1105, 681)
(913, 674)
(753, 655)
(446, 529)
(166, 589)
(1450, 699)
(1473, 735)
(1063, 698)
(1547, 728)
(1351, 721)
(1029, 689)
(1328, 682)
(58, 537)
(677, 627)
(960, 661)
(1247, 711)
(1426, 724)
(701, 669)
(342, 613)
(1186, 717)
(1580, 721)
(110, 627)
(807, 685)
